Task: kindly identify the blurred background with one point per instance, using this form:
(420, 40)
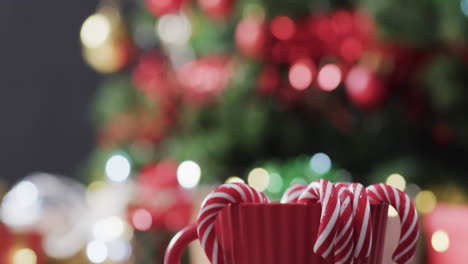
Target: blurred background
(119, 116)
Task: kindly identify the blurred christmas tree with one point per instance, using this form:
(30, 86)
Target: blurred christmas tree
(277, 92)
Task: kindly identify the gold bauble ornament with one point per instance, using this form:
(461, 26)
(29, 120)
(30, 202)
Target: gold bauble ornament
(106, 44)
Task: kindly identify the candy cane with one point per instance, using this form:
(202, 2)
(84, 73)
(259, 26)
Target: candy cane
(324, 192)
(406, 249)
(344, 242)
(291, 195)
(362, 221)
(222, 196)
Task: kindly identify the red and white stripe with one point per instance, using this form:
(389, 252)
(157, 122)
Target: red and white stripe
(291, 195)
(406, 249)
(325, 193)
(222, 196)
(344, 241)
(362, 221)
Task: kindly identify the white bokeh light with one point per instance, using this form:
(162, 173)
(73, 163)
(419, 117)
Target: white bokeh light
(464, 7)
(108, 229)
(188, 174)
(320, 163)
(119, 250)
(174, 29)
(95, 30)
(118, 168)
(96, 251)
(21, 207)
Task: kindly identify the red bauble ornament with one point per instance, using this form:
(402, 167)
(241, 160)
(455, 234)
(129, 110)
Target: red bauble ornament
(216, 9)
(251, 36)
(162, 7)
(203, 79)
(364, 87)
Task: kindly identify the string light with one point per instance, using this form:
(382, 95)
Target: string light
(397, 181)
(95, 30)
(188, 174)
(96, 251)
(119, 250)
(259, 179)
(108, 229)
(440, 241)
(301, 74)
(234, 179)
(142, 220)
(174, 29)
(118, 168)
(425, 201)
(329, 77)
(464, 7)
(24, 256)
(276, 183)
(298, 180)
(283, 27)
(320, 163)
(20, 206)
(392, 212)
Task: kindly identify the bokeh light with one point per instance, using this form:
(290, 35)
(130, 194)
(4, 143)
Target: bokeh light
(188, 174)
(119, 250)
(320, 163)
(234, 179)
(24, 256)
(464, 7)
(96, 251)
(108, 229)
(392, 212)
(440, 241)
(301, 74)
(118, 168)
(329, 77)
(298, 180)
(142, 220)
(358, 79)
(95, 30)
(351, 49)
(174, 29)
(20, 206)
(425, 201)
(259, 179)
(276, 183)
(397, 181)
(283, 27)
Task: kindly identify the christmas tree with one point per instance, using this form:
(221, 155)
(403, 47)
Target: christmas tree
(279, 92)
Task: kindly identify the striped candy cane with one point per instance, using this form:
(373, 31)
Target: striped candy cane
(222, 196)
(291, 195)
(406, 249)
(344, 242)
(325, 193)
(362, 221)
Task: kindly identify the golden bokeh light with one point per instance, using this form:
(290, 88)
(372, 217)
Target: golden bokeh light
(259, 179)
(397, 181)
(440, 241)
(24, 256)
(425, 201)
(234, 179)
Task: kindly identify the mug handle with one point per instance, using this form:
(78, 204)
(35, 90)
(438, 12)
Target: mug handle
(178, 244)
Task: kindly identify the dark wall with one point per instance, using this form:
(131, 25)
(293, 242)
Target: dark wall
(45, 87)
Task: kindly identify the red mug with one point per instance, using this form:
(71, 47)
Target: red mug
(274, 233)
